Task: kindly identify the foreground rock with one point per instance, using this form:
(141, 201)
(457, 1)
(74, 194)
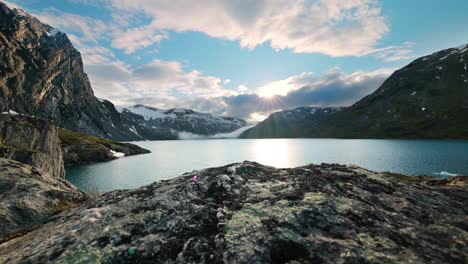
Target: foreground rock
(32, 141)
(29, 196)
(83, 149)
(249, 213)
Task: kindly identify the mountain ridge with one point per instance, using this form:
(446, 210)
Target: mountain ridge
(428, 98)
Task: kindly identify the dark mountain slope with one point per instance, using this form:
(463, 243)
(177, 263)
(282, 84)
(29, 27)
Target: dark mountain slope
(41, 74)
(426, 99)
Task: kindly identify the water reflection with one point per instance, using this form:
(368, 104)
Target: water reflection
(172, 158)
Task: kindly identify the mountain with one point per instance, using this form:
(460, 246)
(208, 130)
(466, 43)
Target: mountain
(426, 99)
(41, 74)
(153, 123)
(290, 123)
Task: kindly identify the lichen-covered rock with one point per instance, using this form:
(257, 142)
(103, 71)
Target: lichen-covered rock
(249, 213)
(29, 196)
(31, 141)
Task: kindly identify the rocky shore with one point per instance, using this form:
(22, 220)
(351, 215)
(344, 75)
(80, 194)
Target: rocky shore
(80, 149)
(250, 213)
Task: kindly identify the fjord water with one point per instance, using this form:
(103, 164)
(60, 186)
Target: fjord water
(172, 158)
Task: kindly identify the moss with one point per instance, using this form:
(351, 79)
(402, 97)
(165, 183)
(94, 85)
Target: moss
(70, 138)
(403, 177)
(88, 255)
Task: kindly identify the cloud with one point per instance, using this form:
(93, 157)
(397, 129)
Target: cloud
(133, 39)
(334, 88)
(396, 53)
(164, 80)
(88, 29)
(332, 27)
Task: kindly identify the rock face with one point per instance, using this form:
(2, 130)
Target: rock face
(249, 213)
(426, 99)
(153, 123)
(41, 74)
(29, 196)
(84, 149)
(31, 141)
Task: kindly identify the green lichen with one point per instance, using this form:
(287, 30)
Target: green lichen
(248, 220)
(88, 255)
(315, 198)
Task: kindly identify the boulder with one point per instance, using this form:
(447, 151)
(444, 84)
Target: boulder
(29, 196)
(250, 213)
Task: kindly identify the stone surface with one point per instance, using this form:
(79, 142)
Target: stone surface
(41, 74)
(29, 196)
(78, 148)
(32, 141)
(249, 213)
(426, 99)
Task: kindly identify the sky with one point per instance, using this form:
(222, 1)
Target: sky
(248, 58)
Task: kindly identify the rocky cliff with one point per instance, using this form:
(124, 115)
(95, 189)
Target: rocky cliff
(32, 141)
(30, 196)
(426, 99)
(41, 74)
(249, 213)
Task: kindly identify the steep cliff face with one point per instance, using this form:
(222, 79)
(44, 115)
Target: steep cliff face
(29, 196)
(31, 141)
(249, 213)
(426, 99)
(41, 74)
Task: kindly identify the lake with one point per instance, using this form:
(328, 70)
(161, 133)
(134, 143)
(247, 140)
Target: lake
(172, 158)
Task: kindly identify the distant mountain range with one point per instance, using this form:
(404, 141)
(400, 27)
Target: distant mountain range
(41, 74)
(426, 99)
(153, 123)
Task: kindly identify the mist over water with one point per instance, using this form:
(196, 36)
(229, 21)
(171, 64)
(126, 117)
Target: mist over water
(234, 134)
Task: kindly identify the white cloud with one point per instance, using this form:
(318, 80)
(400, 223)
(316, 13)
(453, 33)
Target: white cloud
(165, 80)
(396, 53)
(133, 39)
(89, 29)
(332, 27)
(283, 87)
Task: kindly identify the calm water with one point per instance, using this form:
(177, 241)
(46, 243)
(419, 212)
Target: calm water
(172, 158)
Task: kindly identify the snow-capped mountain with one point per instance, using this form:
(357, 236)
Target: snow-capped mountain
(154, 123)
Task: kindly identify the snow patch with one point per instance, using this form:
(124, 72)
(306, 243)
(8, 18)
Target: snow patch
(462, 47)
(235, 134)
(135, 131)
(446, 174)
(117, 154)
(52, 32)
(10, 112)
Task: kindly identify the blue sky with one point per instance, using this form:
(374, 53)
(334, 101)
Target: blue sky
(249, 58)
